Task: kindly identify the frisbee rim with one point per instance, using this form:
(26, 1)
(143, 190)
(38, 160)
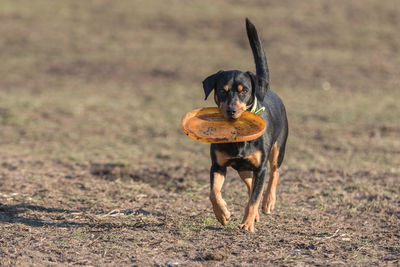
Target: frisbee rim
(186, 118)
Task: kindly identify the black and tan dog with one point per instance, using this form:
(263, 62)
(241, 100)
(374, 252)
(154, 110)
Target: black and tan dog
(235, 92)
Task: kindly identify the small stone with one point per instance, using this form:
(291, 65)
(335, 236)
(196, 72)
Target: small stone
(216, 256)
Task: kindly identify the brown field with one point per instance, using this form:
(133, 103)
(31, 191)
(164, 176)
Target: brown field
(94, 167)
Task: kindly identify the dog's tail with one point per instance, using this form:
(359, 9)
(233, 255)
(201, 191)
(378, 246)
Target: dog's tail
(258, 51)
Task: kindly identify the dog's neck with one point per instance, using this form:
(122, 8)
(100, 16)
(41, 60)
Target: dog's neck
(253, 107)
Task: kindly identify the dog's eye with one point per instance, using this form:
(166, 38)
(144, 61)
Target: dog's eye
(245, 91)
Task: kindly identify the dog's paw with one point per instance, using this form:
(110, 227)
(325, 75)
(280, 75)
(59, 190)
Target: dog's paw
(257, 216)
(221, 213)
(247, 225)
(268, 204)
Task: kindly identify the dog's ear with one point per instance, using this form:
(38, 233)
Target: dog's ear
(210, 83)
(260, 85)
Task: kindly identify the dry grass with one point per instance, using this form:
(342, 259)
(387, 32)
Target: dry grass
(90, 81)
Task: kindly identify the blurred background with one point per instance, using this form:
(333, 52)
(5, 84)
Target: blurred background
(94, 166)
(109, 81)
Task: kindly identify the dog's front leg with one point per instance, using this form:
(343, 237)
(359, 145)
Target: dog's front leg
(217, 178)
(254, 201)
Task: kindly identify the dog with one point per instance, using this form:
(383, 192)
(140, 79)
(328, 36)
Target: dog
(235, 92)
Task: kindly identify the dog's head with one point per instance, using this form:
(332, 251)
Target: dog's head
(234, 91)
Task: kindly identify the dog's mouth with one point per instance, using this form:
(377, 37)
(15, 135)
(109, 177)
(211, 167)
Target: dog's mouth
(230, 112)
(232, 116)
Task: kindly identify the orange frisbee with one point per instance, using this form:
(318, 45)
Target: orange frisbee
(210, 126)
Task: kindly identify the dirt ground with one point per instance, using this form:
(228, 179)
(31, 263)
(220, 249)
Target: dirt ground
(94, 167)
(108, 214)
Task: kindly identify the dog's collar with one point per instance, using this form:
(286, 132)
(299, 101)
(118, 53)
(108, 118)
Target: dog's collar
(254, 107)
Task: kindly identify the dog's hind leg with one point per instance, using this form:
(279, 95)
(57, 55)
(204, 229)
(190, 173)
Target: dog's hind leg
(247, 177)
(268, 203)
(251, 211)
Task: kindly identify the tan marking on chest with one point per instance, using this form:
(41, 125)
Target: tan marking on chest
(221, 158)
(255, 158)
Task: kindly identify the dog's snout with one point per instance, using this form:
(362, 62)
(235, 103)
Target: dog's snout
(231, 111)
